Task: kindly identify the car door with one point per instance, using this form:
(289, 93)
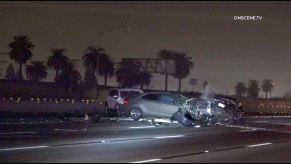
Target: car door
(148, 104)
(167, 106)
(112, 98)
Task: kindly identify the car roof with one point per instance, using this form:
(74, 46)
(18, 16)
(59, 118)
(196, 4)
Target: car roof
(127, 89)
(161, 92)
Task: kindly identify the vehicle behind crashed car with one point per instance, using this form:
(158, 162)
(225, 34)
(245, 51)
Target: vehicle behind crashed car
(208, 111)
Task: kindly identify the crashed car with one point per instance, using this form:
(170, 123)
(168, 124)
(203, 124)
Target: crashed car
(210, 110)
(188, 112)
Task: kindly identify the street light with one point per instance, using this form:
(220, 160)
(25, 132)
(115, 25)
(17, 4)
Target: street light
(98, 44)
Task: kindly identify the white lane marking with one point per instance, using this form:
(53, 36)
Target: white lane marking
(150, 160)
(140, 127)
(263, 144)
(21, 148)
(261, 121)
(161, 137)
(162, 120)
(8, 133)
(69, 130)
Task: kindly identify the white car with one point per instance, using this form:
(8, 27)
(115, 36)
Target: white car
(115, 98)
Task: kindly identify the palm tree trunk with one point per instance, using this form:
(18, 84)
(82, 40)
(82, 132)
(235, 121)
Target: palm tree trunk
(20, 72)
(179, 85)
(166, 82)
(57, 74)
(266, 94)
(105, 81)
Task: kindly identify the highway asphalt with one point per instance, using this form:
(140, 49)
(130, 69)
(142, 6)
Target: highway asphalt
(123, 140)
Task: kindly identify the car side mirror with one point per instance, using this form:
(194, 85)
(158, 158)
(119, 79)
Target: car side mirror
(115, 96)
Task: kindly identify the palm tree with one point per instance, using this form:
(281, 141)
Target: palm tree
(10, 73)
(106, 67)
(166, 54)
(127, 73)
(253, 89)
(183, 66)
(20, 51)
(144, 79)
(267, 86)
(91, 56)
(240, 89)
(36, 71)
(89, 78)
(70, 77)
(57, 60)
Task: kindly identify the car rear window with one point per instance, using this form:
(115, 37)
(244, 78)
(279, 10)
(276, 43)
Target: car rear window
(150, 97)
(129, 94)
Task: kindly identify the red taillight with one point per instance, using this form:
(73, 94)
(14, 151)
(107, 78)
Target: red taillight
(125, 101)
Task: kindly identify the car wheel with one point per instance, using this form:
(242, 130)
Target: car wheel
(135, 113)
(96, 118)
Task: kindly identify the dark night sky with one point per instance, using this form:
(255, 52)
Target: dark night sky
(224, 51)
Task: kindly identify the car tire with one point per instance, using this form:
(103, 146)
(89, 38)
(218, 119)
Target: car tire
(135, 114)
(96, 118)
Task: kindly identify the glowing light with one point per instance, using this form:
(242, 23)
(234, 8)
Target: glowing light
(221, 105)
